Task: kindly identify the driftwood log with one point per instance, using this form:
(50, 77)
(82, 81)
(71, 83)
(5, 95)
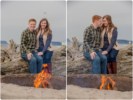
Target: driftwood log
(12, 63)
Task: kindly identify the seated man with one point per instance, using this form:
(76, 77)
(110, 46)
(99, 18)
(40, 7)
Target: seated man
(91, 46)
(27, 48)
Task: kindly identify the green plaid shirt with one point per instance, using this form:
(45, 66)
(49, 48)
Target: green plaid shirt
(28, 41)
(92, 39)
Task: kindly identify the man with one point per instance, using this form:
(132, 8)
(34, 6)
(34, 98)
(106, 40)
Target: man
(91, 46)
(27, 48)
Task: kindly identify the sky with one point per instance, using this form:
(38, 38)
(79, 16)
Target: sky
(15, 16)
(80, 14)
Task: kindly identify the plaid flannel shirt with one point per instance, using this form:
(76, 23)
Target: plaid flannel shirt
(92, 39)
(28, 41)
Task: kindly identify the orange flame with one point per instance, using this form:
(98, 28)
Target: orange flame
(42, 78)
(107, 83)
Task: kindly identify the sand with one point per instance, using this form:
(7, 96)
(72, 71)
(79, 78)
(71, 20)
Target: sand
(76, 92)
(11, 91)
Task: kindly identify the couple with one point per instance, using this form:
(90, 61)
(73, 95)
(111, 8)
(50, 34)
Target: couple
(35, 45)
(100, 46)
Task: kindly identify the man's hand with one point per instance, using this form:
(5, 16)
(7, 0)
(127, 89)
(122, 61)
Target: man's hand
(93, 54)
(40, 53)
(29, 55)
(104, 52)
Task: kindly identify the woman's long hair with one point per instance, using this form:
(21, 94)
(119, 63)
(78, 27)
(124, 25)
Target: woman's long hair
(110, 23)
(47, 29)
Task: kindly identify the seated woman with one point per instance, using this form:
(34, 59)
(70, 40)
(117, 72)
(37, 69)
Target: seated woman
(108, 43)
(44, 37)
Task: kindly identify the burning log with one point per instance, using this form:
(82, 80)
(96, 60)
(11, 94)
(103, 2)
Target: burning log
(42, 78)
(107, 83)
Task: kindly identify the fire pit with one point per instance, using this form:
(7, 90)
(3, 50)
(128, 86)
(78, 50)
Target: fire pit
(122, 83)
(56, 82)
(108, 82)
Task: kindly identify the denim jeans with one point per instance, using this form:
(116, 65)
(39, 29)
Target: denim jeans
(99, 63)
(112, 55)
(46, 56)
(35, 63)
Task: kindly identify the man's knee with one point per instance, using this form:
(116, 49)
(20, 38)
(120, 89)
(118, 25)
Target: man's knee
(96, 59)
(39, 59)
(33, 59)
(104, 58)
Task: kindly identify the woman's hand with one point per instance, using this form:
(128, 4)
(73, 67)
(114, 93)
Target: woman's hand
(40, 53)
(104, 52)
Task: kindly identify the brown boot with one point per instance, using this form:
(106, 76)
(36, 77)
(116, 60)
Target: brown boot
(109, 68)
(114, 67)
(50, 68)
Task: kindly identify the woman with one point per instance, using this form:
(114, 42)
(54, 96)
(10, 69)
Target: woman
(44, 37)
(108, 43)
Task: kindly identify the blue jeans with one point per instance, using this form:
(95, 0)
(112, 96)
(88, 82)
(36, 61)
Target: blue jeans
(46, 56)
(35, 63)
(112, 55)
(99, 63)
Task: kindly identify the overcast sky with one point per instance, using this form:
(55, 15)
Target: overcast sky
(81, 12)
(15, 15)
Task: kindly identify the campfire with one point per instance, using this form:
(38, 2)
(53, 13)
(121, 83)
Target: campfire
(107, 83)
(42, 79)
